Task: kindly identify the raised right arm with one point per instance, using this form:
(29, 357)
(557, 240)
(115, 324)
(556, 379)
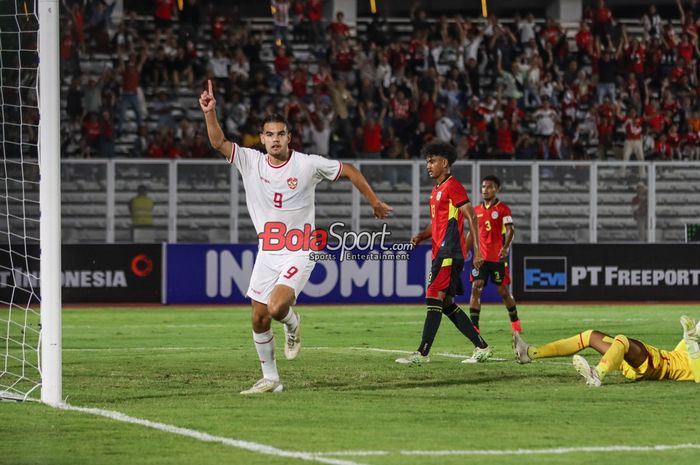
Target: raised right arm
(207, 103)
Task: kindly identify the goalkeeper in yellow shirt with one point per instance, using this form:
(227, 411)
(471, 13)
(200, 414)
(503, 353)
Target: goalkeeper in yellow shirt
(636, 359)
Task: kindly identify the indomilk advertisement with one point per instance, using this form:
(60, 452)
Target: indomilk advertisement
(99, 273)
(606, 272)
(218, 273)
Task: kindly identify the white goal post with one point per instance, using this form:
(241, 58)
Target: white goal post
(50, 201)
(30, 202)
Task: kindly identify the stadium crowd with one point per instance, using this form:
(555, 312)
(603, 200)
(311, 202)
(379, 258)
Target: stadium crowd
(516, 88)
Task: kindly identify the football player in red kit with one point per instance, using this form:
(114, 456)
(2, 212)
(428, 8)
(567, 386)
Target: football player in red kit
(496, 232)
(449, 207)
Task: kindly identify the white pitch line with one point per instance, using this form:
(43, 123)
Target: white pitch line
(552, 451)
(142, 349)
(205, 437)
(320, 348)
(442, 354)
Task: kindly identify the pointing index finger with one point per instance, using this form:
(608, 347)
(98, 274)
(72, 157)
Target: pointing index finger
(211, 91)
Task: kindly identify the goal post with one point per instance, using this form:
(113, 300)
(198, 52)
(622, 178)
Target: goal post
(30, 202)
(50, 202)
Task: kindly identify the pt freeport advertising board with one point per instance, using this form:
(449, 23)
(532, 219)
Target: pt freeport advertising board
(220, 274)
(624, 272)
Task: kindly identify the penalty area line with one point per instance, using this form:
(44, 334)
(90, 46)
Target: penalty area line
(487, 452)
(206, 437)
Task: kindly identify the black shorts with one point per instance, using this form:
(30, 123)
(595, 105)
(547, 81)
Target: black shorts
(445, 277)
(496, 271)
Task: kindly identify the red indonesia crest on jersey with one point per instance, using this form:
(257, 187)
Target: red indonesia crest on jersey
(292, 183)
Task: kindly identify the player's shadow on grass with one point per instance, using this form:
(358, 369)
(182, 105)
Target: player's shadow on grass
(352, 384)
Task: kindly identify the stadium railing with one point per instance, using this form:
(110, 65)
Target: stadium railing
(204, 201)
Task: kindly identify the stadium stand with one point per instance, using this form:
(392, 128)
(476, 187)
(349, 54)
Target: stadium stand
(380, 88)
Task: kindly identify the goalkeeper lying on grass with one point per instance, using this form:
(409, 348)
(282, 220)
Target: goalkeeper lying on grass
(636, 359)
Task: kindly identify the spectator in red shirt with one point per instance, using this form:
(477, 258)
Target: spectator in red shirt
(400, 112)
(473, 115)
(632, 89)
(426, 109)
(70, 60)
(299, 21)
(282, 66)
(338, 30)
(131, 77)
(584, 43)
(343, 63)
(678, 71)
(78, 30)
(175, 149)
(322, 76)
(199, 147)
(217, 28)
(299, 81)
(602, 20)
(155, 147)
(372, 140)
(636, 57)
(606, 131)
(504, 139)
(513, 113)
(606, 109)
(635, 52)
(689, 146)
(674, 140)
(662, 151)
(653, 117)
(653, 59)
(686, 49)
(314, 15)
(91, 135)
(164, 12)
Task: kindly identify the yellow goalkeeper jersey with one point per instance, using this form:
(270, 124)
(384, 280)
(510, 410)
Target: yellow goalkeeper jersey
(661, 364)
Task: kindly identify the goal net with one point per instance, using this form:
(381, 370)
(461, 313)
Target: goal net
(21, 333)
(19, 201)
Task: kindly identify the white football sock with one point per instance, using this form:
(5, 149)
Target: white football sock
(290, 321)
(265, 345)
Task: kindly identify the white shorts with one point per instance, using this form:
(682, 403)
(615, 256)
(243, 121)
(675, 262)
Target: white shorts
(291, 270)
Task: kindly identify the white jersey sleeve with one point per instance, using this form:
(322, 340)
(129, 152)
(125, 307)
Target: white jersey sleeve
(244, 159)
(324, 168)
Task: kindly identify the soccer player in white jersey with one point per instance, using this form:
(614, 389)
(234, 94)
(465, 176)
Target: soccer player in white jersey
(280, 192)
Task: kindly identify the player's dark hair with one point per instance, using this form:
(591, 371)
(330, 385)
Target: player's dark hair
(440, 149)
(493, 179)
(274, 118)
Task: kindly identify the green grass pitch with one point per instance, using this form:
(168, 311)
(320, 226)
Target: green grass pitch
(185, 366)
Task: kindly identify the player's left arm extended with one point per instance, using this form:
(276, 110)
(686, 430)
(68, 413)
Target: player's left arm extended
(381, 210)
(468, 211)
(510, 234)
